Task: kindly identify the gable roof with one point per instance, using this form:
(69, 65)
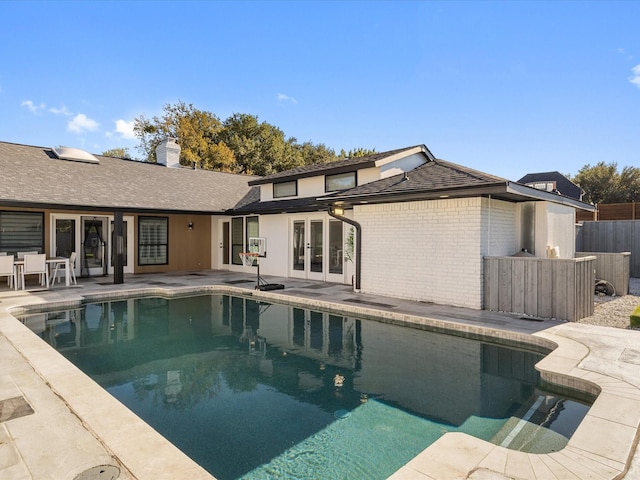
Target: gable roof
(434, 177)
(442, 179)
(343, 166)
(36, 176)
(564, 186)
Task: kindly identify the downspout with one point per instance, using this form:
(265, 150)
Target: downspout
(358, 243)
(489, 230)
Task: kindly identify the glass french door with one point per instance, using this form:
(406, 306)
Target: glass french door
(316, 249)
(93, 256)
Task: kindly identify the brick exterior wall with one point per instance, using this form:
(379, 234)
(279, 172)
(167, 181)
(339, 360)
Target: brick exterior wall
(432, 250)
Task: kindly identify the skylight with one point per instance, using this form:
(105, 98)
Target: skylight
(74, 155)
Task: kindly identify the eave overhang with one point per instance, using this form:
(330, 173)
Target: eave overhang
(105, 209)
(507, 191)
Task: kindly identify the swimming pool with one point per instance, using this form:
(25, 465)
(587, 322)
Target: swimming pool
(259, 390)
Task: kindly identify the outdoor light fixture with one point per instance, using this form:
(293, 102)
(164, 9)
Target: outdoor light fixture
(339, 211)
(190, 225)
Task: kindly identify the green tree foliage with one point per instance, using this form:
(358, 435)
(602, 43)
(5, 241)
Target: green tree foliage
(315, 154)
(356, 153)
(117, 153)
(259, 148)
(239, 144)
(602, 183)
(195, 130)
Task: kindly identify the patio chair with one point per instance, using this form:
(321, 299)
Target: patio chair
(59, 269)
(21, 255)
(7, 269)
(36, 265)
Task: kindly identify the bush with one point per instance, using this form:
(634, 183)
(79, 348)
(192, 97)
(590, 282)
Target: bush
(634, 318)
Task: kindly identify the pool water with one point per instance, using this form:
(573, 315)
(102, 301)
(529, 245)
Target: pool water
(256, 390)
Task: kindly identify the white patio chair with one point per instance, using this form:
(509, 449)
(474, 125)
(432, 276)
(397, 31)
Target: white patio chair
(8, 269)
(36, 265)
(21, 255)
(59, 269)
(2, 254)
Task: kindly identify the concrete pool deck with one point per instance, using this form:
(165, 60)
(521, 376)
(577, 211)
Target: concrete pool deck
(56, 423)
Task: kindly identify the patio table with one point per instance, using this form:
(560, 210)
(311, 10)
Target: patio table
(18, 264)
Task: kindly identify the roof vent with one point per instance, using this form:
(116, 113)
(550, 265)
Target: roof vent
(74, 155)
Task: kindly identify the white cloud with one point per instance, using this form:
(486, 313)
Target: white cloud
(82, 123)
(635, 79)
(32, 107)
(286, 98)
(60, 111)
(125, 129)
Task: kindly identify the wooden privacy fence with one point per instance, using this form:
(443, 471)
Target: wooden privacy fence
(612, 267)
(540, 287)
(613, 237)
(611, 211)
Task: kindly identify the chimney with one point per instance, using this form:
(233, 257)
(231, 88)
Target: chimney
(168, 153)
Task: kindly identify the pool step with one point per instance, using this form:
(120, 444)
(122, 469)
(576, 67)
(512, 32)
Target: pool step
(528, 432)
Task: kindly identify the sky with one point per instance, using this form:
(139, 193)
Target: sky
(508, 88)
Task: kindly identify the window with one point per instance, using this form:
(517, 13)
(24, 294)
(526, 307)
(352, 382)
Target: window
(548, 186)
(340, 181)
(153, 240)
(21, 232)
(252, 229)
(285, 189)
(237, 240)
(65, 237)
(241, 230)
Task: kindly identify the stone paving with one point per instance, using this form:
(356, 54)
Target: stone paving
(56, 423)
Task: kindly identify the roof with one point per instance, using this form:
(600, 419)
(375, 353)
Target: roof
(343, 166)
(435, 176)
(563, 184)
(442, 179)
(34, 175)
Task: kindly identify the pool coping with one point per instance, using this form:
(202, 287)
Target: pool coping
(602, 447)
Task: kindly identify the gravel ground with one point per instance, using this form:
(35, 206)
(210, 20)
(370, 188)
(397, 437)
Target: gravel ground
(615, 311)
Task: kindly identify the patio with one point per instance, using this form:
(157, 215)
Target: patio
(56, 423)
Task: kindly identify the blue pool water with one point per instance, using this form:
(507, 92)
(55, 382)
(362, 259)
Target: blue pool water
(258, 391)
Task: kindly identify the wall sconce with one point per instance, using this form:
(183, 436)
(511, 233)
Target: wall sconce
(339, 211)
(190, 225)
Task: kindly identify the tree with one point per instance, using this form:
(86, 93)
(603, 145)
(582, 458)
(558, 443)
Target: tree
(315, 154)
(240, 144)
(117, 153)
(357, 153)
(603, 184)
(259, 148)
(196, 131)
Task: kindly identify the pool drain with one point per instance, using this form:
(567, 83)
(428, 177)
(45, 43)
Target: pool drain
(341, 414)
(101, 472)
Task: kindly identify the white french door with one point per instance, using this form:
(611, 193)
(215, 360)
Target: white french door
(90, 238)
(316, 248)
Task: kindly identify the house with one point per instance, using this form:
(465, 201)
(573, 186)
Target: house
(425, 224)
(553, 182)
(401, 223)
(60, 200)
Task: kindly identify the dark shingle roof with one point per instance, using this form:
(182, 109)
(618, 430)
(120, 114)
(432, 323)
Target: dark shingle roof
(305, 204)
(340, 166)
(564, 186)
(34, 175)
(437, 175)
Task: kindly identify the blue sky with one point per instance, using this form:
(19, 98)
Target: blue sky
(504, 87)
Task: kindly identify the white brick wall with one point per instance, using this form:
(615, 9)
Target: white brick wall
(432, 250)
